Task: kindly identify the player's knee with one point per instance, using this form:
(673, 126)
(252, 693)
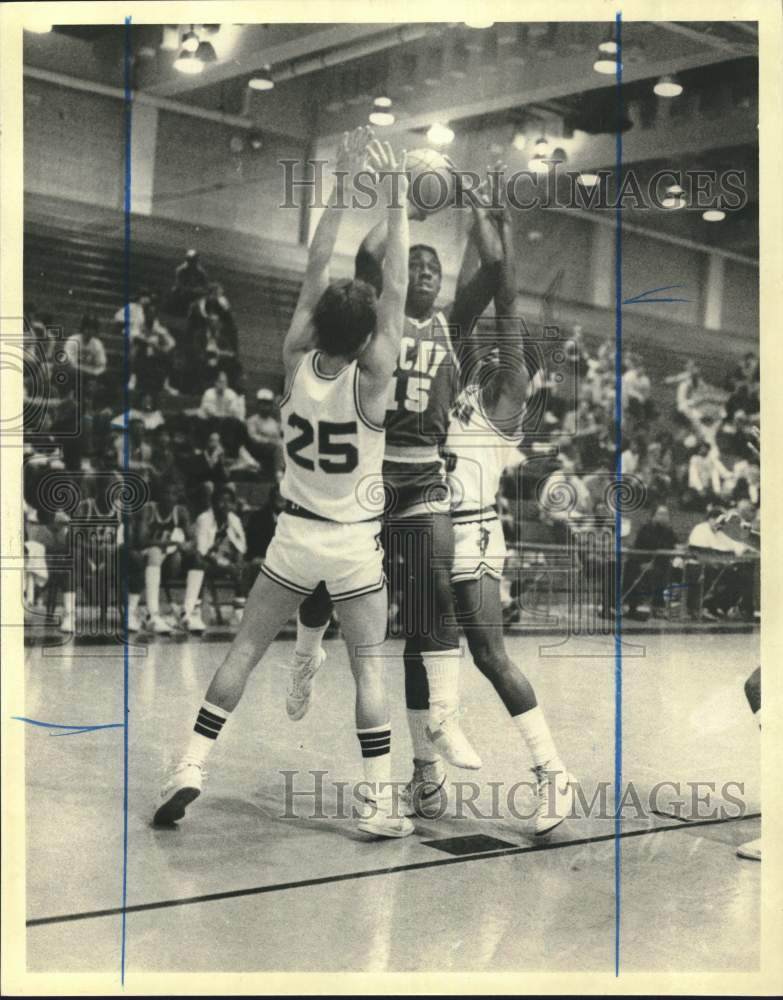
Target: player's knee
(491, 659)
(154, 557)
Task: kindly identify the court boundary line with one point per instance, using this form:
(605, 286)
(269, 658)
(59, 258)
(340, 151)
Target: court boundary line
(259, 890)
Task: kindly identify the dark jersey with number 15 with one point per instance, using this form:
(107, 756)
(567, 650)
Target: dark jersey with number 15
(422, 391)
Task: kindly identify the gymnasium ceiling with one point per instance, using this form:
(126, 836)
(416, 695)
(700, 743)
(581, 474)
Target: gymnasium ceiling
(508, 79)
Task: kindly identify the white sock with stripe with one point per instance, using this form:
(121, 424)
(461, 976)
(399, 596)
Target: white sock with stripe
(375, 743)
(209, 723)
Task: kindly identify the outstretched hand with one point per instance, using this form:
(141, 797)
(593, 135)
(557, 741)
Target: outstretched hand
(383, 162)
(351, 154)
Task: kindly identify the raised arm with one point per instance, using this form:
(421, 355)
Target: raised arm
(349, 160)
(479, 273)
(504, 395)
(378, 361)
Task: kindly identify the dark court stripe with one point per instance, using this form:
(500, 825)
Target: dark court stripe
(260, 890)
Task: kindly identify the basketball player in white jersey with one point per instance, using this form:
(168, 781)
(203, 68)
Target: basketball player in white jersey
(339, 356)
(418, 533)
(484, 437)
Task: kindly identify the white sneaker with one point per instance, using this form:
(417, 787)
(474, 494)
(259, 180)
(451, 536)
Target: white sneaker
(750, 850)
(451, 743)
(158, 625)
(133, 621)
(304, 670)
(555, 797)
(182, 787)
(422, 796)
(68, 624)
(192, 622)
(381, 823)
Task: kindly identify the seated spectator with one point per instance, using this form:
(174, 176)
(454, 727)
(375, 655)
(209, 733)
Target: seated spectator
(636, 391)
(723, 586)
(706, 474)
(137, 452)
(747, 483)
(264, 435)
(87, 359)
(223, 410)
(646, 575)
(259, 530)
(220, 549)
(190, 282)
(147, 412)
(152, 347)
(205, 467)
(135, 316)
(168, 461)
(734, 437)
(52, 531)
(212, 337)
(162, 539)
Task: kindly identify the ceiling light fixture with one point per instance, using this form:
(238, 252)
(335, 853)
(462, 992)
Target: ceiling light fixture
(667, 86)
(713, 215)
(262, 80)
(381, 113)
(588, 180)
(519, 141)
(440, 135)
(186, 62)
(607, 65)
(675, 197)
(478, 23)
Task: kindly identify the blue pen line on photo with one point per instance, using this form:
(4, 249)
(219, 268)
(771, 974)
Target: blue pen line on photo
(128, 107)
(618, 413)
(643, 297)
(70, 730)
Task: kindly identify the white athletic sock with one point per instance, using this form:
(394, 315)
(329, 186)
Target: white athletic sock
(193, 583)
(423, 750)
(535, 733)
(308, 640)
(133, 603)
(209, 722)
(375, 743)
(69, 605)
(152, 586)
(443, 680)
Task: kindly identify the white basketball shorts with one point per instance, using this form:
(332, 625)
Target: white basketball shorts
(347, 557)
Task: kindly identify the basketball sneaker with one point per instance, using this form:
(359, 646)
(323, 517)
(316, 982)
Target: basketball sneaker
(750, 850)
(301, 684)
(555, 798)
(422, 795)
(158, 625)
(192, 622)
(182, 787)
(381, 822)
(451, 743)
(133, 621)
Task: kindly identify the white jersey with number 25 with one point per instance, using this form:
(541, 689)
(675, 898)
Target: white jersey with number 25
(334, 453)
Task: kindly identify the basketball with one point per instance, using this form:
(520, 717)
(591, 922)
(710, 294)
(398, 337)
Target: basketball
(432, 182)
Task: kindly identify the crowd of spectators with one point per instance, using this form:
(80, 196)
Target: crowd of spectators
(686, 446)
(170, 411)
(175, 410)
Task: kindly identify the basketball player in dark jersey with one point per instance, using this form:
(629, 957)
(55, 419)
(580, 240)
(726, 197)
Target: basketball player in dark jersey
(418, 539)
